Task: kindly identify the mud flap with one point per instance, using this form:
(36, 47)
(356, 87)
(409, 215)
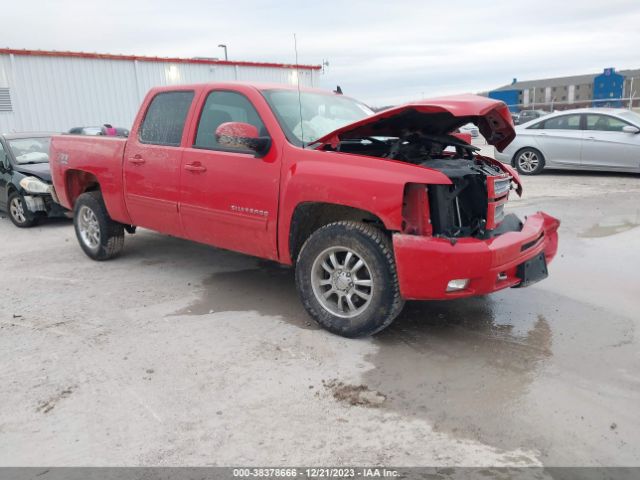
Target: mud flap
(532, 271)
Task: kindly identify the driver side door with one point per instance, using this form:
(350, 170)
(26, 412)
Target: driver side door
(607, 146)
(229, 196)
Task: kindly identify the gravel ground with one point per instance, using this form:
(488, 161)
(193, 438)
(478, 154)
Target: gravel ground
(181, 354)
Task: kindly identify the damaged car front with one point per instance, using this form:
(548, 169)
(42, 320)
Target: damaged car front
(457, 239)
(25, 179)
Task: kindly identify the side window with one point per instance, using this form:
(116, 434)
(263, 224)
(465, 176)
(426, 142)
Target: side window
(165, 117)
(564, 122)
(605, 123)
(222, 107)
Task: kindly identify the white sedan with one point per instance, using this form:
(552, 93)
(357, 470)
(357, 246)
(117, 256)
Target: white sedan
(583, 139)
(471, 129)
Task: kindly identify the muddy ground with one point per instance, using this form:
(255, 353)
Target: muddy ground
(181, 354)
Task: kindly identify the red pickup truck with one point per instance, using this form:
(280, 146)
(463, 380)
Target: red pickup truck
(371, 209)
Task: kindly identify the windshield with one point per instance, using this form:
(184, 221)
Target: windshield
(631, 116)
(30, 150)
(321, 113)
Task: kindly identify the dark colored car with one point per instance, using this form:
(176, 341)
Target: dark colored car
(25, 178)
(528, 115)
(119, 131)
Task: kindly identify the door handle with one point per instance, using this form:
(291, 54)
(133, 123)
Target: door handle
(137, 159)
(591, 138)
(195, 167)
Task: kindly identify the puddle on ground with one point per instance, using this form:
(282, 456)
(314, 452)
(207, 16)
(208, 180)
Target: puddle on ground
(462, 365)
(609, 227)
(269, 289)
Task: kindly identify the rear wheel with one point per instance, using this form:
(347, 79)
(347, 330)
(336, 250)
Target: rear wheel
(19, 213)
(347, 281)
(100, 237)
(529, 161)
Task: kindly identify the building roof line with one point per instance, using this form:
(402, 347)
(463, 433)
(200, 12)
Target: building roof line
(141, 58)
(561, 81)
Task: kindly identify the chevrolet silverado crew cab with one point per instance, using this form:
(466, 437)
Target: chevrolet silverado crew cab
(371, 209)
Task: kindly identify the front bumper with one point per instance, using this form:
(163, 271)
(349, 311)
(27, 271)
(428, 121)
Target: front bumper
(427, 264)
(44, 204)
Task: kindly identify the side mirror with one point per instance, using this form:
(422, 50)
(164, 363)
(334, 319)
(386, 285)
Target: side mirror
(630, 129)
(242, 136)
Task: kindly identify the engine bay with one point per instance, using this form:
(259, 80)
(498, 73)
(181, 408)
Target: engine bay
(457, 210)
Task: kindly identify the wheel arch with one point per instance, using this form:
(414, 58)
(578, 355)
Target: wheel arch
(10, 189)
(78, 182)
(308, 217)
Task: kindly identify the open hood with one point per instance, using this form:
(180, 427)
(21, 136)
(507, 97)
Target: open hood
(437, 116)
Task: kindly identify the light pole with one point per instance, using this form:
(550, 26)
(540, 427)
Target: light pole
(222, 45)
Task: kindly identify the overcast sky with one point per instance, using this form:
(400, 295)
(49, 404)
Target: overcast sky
(380, 52)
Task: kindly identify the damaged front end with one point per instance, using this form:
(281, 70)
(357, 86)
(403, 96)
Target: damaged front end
(456, 239)
(473, 205)
(425, 134)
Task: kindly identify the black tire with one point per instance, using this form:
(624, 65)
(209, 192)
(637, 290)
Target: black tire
(100, 237)
(372, 246)
(523, 158)
(19, 214)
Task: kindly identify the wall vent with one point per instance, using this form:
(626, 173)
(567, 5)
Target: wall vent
(5, 100)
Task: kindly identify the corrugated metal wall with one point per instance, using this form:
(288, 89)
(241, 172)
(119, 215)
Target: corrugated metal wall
(57, 93)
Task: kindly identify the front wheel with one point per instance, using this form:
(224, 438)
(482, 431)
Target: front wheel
(19, 213)
(100, 237)
(347, 281)
(529, 161)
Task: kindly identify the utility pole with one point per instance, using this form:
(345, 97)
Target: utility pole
(222, 45)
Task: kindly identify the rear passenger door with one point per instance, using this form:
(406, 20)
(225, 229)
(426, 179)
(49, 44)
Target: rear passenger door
(560, 139)
(229, 197)
(152, 162)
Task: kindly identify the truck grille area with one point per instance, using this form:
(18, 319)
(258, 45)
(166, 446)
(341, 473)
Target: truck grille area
(461, 209)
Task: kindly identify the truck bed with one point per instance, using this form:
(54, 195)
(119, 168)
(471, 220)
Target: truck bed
(75, 157)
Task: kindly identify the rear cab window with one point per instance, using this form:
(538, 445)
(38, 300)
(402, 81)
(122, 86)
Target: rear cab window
(164, 120)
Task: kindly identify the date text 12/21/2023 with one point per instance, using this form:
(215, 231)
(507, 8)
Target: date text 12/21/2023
(315, 472)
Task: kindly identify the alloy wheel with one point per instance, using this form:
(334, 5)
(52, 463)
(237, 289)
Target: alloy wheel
(89, 227)
(342, 281)
(17, 210)
(528, 161)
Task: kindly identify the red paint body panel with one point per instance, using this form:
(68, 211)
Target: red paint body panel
(426, 264)
(245, 203)
(72, 154)
(373, 185)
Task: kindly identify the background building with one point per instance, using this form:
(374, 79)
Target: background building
(610, 88)
(55, 91)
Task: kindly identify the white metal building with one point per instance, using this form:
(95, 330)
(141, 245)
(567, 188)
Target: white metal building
(55, 91)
